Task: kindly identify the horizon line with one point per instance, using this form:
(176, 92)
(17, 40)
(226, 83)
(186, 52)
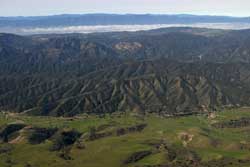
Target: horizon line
(159, 14)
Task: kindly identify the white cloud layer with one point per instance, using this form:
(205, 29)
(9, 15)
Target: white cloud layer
(119, 28)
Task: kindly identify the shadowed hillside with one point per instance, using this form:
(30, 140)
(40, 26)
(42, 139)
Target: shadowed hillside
(169, 71)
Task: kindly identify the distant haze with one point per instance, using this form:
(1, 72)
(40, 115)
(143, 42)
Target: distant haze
(91, 23)
(51, 7)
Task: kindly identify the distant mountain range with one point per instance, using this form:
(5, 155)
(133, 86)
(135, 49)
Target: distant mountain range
(167, 71)
(114, 19)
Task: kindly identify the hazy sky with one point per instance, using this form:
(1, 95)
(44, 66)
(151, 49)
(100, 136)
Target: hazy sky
(50, 7)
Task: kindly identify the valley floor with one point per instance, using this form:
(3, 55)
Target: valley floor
(129, 140)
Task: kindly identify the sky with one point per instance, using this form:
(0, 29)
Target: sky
(53, 7)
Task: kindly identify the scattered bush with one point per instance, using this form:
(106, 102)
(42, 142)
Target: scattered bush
(137, 156)
(5, 149)
(6, 131)
(64, 139)
(39, 135)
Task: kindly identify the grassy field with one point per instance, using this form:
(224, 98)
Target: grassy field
(192, 135)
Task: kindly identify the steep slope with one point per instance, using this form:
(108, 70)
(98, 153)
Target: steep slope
(169, 71)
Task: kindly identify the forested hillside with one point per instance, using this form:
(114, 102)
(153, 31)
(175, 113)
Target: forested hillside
(169, 71)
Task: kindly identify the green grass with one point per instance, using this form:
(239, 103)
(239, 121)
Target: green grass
(112, 151)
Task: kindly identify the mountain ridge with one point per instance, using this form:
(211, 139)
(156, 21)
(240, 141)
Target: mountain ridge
(114, 19)
(168, 71)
